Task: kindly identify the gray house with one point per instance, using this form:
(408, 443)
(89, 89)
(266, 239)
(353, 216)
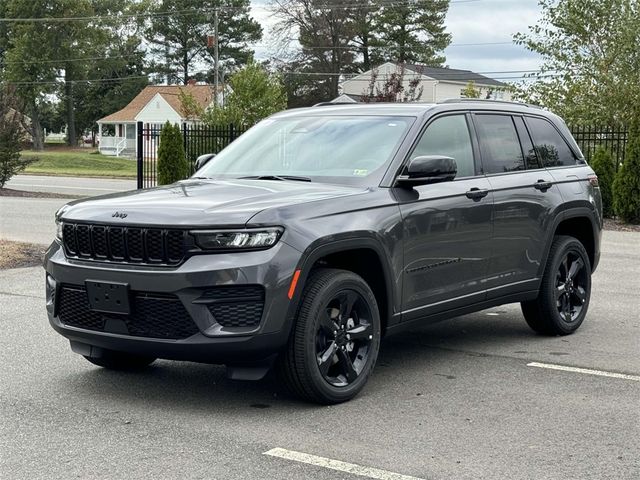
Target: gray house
(436, 84)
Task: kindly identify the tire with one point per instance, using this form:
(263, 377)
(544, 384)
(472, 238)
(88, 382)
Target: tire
(565, 290)
(113, 360)
(335, 340)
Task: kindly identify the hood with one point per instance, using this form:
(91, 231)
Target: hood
(200, 202)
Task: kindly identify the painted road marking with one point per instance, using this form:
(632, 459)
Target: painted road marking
(564, 368)
(337, 465)
(62, 187)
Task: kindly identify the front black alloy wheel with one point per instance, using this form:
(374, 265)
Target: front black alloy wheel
(565, 290)
(343, 339)
(336, 338)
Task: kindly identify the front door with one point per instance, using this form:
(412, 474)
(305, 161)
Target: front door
(447, 226)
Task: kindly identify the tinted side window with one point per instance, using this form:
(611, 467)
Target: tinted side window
(551, 147)
(499, 144)
(527, 147)
(449, 136)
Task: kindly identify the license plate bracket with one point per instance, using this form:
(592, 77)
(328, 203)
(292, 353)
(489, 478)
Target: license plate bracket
(108, 297)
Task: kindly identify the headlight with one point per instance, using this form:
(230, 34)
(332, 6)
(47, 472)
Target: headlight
(237, 239)
(59, 229)
(58, 216)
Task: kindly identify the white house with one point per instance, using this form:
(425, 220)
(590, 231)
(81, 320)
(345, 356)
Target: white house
(436, 84)
(155, 105)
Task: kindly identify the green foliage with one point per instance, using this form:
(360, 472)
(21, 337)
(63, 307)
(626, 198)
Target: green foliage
(38, 53)
(626, 187)
(603, 164)
(179, 42)
(404, 29)
(591, 60)
(470, 90)
(172, 162)
(11, 138)
(255, 94)
(335, 40)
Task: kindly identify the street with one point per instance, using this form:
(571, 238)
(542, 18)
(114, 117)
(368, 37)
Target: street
(29, 219)
(451, 400)
(70, 185)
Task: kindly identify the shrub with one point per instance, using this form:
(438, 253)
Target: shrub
(172, 164)
(11, 139)
(603, 164)
(626, 187)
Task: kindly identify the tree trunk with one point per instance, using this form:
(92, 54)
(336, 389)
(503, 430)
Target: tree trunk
(37, 135)
(72, 139)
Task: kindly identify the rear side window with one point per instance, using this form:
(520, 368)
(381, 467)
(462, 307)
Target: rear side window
(551, 147)
(449, 136)
(499, 144)
(529, 152)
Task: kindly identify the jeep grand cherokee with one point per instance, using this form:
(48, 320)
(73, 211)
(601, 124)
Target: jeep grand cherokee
(320, 230)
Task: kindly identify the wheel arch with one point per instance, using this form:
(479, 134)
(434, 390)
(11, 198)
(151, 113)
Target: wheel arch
(580, 223)
(363, 256)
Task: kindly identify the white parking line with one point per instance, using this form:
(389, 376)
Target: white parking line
(601, 373)
(337, 465)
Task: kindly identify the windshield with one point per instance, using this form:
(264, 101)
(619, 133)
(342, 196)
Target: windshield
(333, 149)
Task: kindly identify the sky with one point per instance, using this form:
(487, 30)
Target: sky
(469, 22)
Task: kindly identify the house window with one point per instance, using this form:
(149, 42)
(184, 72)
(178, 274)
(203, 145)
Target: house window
(131, 131)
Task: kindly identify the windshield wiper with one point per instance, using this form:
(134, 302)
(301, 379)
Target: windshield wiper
(277, 177)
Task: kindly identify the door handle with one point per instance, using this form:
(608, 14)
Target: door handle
(542, 185)
(476, 193)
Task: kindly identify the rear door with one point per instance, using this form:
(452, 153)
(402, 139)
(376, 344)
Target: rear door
(447, 226)
(525, 195)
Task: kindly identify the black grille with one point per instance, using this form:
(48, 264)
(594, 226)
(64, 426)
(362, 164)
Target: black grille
(235, 306)
(153, 315)
(124, 244)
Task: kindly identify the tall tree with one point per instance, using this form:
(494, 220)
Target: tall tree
(178, 31)
(324, 31)
(414, 33)
(590, 57)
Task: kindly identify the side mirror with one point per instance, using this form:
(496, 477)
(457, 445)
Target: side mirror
(202, 160)
(428, 169)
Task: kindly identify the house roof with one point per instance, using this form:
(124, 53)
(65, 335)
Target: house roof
(347, 97)
(453, 75)
(203, 94)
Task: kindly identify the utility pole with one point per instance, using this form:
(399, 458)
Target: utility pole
(216, 55)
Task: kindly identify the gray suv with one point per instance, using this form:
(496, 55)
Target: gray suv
(321, 230)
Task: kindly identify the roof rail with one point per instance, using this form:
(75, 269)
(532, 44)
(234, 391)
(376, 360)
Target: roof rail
(328, 104)
(488, 100)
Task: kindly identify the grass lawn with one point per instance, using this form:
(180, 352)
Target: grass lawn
(79, 163)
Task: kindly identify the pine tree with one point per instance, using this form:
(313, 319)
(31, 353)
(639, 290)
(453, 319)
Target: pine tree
(415, 33)
(626, 187)
(172, 162)
(12, 134)
(179, 41)
(603, 164)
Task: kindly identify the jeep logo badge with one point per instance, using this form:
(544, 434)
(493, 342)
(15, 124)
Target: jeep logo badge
(119, 215)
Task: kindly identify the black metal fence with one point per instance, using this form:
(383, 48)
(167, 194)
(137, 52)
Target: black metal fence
(198, 140)
(589, 138)
(201, 139)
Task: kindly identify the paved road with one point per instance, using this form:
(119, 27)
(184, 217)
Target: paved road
(70, 185)
(453, 400)
(29, 219)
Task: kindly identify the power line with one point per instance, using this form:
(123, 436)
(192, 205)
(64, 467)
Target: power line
(340, 6)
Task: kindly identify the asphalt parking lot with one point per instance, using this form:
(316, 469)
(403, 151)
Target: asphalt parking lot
(455, 400)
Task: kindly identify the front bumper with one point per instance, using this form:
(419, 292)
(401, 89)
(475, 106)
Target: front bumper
(213, 342)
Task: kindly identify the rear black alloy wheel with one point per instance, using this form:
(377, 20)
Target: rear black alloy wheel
(336, 338)
(565, 290)
(571, 287)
